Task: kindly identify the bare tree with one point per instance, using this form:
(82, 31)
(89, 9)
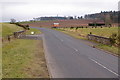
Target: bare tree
(12, 21)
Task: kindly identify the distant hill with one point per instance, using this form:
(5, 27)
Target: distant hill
(111, 15)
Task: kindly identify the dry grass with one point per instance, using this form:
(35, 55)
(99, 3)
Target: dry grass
(105, 31)
(24, 59)
(37, 66)
(8, 29)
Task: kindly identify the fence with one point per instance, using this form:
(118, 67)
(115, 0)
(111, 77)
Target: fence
(99, 39)
(14, 35)
(19, 34)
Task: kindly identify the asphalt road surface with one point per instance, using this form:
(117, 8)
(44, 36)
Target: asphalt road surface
(68, 57)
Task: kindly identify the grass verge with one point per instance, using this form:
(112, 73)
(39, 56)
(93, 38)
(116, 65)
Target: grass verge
(112, 49)
(24, 59)
(8, 29)
(36, 31)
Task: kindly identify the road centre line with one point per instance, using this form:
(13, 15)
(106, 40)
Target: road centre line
(104, 67)
(75, 49)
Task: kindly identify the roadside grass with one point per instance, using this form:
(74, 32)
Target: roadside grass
(105, 31)
(8, 29)
(112, 49)
(71, 33)
(36, 31)
(24, 59)
(81, 33)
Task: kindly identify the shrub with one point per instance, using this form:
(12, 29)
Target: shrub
(71, 27)
(90, 32)
(113, 38)
(77, 28)
(118, 39)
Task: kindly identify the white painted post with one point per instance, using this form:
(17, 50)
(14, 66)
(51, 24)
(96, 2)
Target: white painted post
(32, 33)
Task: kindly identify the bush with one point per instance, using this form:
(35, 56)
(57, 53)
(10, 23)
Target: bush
(71, 27)
(77, 28)
(113, 38)
(26, 27)
(90, 32)
(118, 39)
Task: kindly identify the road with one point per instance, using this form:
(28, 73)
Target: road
(68, 57)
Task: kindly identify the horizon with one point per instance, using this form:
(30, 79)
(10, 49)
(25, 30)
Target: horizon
(25, 10)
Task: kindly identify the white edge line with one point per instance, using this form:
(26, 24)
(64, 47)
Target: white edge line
(61, 40)
(104, 67)
(58, 38)
(75, 49)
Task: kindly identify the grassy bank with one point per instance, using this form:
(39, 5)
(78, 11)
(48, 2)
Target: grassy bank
(81, 33)
(36, 31)
(22, 58)
(8, 29)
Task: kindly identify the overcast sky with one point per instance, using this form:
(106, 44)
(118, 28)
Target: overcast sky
(28, 9)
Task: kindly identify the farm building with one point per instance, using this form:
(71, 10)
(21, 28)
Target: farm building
(96, 24)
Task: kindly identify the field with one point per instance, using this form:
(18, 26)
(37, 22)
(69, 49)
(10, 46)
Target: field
(81, 33)
(63, 23)
(104, 32)
(22, 58)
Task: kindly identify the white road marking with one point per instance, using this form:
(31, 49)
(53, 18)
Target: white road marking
(104, 67)
(75, 49)
(57, 37)
(61, 40)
